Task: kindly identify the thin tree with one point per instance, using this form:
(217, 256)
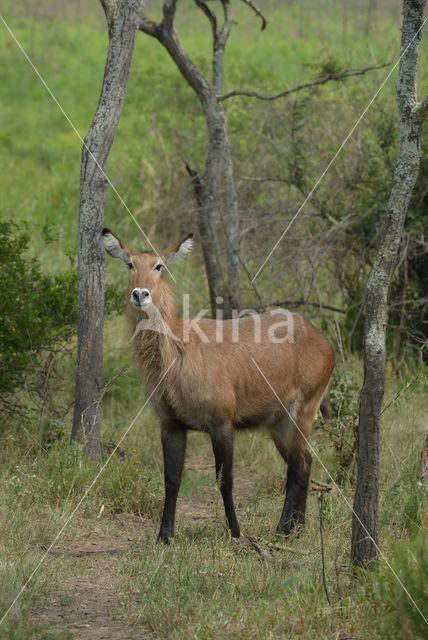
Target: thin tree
(122, 21)
(365, 524)
(214, 186)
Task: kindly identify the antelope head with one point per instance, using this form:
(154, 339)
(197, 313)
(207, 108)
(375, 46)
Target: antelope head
(146, 286)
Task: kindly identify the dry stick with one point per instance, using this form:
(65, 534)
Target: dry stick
(321, 486)
(329, 77)
(324, 579)
(263, 553)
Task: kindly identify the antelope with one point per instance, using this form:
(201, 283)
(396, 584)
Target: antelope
(199, 382)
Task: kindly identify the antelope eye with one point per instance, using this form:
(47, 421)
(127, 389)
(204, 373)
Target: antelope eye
(159, 267)
(129, 265)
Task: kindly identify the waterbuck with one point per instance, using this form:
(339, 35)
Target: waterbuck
(269, 370)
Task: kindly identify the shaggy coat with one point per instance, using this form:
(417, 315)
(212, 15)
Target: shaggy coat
(270, 370)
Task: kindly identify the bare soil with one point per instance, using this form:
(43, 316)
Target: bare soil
(89, 604)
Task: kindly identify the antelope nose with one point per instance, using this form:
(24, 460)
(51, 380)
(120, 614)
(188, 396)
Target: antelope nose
(140, 296)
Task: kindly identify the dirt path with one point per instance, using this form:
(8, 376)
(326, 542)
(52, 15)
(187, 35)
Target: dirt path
(89, 605)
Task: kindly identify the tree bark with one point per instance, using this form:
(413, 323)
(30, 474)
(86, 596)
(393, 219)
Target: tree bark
(123, 23)
(219, 211)
(365, 524)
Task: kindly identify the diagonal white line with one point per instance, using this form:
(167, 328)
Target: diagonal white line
(317, 183)
(72, 125)
(43, 558)
(340, 491)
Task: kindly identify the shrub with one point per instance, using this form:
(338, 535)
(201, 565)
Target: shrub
(38, 315)
(38, 311)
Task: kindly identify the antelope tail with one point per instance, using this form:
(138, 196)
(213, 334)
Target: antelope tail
(325, 406)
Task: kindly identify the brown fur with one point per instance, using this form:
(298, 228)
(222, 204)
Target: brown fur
(212, 385)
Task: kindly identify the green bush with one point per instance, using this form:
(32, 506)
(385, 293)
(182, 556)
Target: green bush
(38, 311)
(38, 315)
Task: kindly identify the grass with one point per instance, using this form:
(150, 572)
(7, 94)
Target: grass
(201, 586)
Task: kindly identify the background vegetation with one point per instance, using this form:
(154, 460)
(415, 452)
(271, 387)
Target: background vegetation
(201, 586)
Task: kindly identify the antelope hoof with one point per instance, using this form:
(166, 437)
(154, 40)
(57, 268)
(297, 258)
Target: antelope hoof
(164, 538)
(285, 530)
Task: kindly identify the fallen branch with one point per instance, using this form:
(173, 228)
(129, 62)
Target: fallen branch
(329, 77)
(263, 553)
(322, 487)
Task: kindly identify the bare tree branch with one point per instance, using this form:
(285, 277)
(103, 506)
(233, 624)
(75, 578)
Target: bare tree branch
(257, 11)
(215, 188)
(329, 77)
(149, 27)
(220, 41)
(209, 14)
(305, 303)
(169, 8)
(167, 35)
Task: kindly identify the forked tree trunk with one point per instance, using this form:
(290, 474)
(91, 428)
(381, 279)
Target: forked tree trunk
(218, 213)
(365, 524)
(93, 183)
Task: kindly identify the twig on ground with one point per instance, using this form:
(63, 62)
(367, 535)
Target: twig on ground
(321, 486)
(263, 553)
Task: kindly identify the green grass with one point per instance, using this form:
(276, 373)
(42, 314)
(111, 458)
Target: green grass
(39, 148)
(202, 585)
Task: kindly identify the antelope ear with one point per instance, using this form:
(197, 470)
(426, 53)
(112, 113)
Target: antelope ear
(178, 251)
(114, 247)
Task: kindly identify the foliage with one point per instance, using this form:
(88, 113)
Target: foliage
(343, 428)
(396, 615)
(38, 314)
(38, 310)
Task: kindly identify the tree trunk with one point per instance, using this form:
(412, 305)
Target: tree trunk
(218, 211)
(93, 183)
(365, 524)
